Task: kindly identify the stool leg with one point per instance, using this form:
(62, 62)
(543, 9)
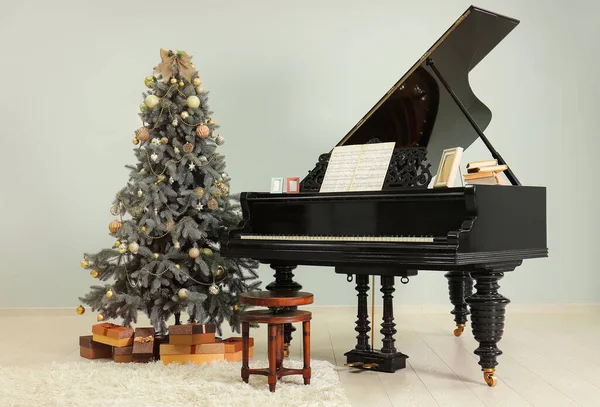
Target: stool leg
(279, 347)
(306, 373)
(245, 351)
(272, 378)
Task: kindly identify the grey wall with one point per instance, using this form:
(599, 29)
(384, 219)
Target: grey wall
(287, 81)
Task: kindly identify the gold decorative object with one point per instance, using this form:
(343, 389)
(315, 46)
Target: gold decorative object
(100, 318)
(199, 191)
(460, 328)
(197, 81)
(181, 83)
(151, 101)
(109, 294)
(117, 243)
(84, 263)
(184, 115)
(142, 134)
(220, 270)
(80, 310)
(207, 251)
(202, 131)
(156, 256)
(169, 224)
(214, 289)
(143, 229)
(222, 187)
(149, 81)
(134, 247)
(489, 377)
(94, 273)
(236, 308)
(212, 204)
(182, 293)
(115, 226)
(188, 147)
(164, 140)
(135, 141)
(211, 121)
(173, 81)
(193, 102)
(177, 266)
(194, 252)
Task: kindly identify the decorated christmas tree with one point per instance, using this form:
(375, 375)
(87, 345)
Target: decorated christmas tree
(172, 215)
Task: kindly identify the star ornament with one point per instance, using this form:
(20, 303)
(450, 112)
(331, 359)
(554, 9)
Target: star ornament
(169, 58)
(192, 166)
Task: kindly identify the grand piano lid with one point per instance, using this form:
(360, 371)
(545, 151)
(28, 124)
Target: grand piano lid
(418, 111)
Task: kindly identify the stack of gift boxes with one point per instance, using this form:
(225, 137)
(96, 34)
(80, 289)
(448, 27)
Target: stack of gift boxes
(195, 343)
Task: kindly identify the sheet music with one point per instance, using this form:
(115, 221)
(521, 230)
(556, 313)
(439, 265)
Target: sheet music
(357, 167)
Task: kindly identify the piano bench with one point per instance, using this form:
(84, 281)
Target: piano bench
(276, 321)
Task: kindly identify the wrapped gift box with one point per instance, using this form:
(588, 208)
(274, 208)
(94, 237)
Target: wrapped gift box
(112, 334)
(93, 350)
(191, 334)
(233, 348)
(143, 345)
(193, 358)
(122, 354)
(202, 349)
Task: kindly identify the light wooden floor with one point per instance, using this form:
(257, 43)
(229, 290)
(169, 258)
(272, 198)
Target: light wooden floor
(551, 356)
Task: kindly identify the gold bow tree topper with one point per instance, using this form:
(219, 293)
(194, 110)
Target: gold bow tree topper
(170, 59)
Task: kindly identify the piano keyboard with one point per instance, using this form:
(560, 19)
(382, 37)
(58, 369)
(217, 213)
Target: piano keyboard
(403, 239)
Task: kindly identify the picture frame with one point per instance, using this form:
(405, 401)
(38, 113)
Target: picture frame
(448, 169)
(293, 185)
(276, 185)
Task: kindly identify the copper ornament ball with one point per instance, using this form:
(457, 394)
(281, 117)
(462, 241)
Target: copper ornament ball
(142, 134)
(194, 253)
(202, 131)
(115, 226)
(188, 147)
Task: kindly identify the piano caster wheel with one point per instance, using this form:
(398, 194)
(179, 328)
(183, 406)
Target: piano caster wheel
(489, 377)
(286, 350)
(460, 328)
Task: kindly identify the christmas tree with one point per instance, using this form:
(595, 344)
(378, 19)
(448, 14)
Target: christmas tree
(172, 215)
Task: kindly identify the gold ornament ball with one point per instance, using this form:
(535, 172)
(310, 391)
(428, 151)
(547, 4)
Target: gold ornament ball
(80, 310)
(181, 84)
(193, 102)
(236, 308)
(94, 273)
(156, 255)
(213, 289)
(115, 226)
(194, 252)
(109, 294)
(100, 318)
(142, 134)
(182, 293)
(202, 131)
(199, 191)
(134, 247)
(143, 108)
(117, 243)
(184, 115)
(84, 264)
(197, 82)
(135, 141)
(188, 147)
(220, 271)
(207, 252)
(151, 101)
(212, 204)
(174, 123)
(211, 121)
(164, 140)
(149, 81)
(177, 266)
(173, 81)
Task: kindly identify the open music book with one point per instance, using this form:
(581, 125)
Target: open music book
(358, 167)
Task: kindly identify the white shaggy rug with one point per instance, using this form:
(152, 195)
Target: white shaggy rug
(106, 384)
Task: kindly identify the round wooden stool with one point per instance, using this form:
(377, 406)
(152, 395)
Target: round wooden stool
(276, 317)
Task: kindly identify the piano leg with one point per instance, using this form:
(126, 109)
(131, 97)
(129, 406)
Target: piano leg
(460, 286)
(284, 281)
(487, 318)
(363, 356)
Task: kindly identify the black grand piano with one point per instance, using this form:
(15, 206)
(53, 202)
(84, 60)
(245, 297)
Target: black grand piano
(473, 233)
